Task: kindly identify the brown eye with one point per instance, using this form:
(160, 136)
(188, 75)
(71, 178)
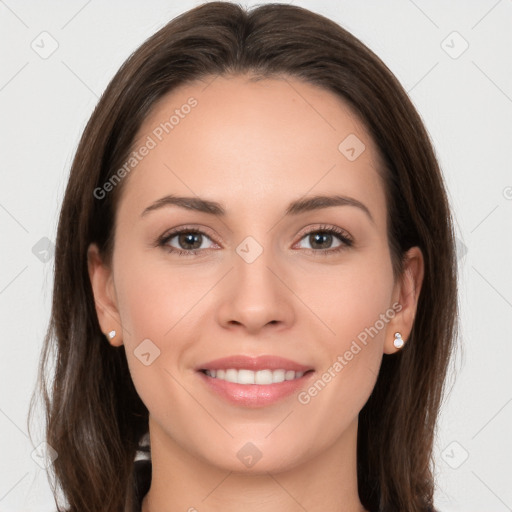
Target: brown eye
(321, 240)
(185, 241)
(189, 241)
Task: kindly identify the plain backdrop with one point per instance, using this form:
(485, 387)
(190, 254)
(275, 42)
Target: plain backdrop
(454, 59)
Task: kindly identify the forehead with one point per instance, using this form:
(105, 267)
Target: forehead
(253, 141)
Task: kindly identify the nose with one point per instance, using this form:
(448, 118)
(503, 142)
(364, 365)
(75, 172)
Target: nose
(255, 295)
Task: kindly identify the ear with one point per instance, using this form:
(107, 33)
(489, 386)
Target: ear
(406, 293)
(105, 300)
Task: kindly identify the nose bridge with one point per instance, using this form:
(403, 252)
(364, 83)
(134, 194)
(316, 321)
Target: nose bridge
(252, 264)
(255, 296)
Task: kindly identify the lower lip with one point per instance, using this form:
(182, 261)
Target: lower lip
(254, 395)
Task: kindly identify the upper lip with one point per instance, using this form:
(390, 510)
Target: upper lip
(254, 363)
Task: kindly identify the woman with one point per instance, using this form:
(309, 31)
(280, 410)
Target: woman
(254, 271)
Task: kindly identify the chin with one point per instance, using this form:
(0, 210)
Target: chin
(257, 458)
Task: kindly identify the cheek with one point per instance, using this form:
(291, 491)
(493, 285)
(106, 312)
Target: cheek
(355, 307)
(159, 307)
(156, 305)
(350, 299)
(153, 298)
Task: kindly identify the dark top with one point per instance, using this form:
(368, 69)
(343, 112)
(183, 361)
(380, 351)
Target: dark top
(142, 471)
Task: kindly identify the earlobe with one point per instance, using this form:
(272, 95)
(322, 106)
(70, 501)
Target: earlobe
(105, 301)
(406, 293)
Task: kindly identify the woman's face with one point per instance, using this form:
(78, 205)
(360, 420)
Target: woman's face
(255, 277)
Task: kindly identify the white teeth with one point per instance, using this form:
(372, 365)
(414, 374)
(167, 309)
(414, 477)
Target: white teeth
(245, 377)
(262, 377)
(289, 375)
(278, 375)
(231, 375)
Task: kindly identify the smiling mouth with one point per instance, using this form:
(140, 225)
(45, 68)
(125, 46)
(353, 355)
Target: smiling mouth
(263, 377)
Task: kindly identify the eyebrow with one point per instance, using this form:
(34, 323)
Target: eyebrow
(296, 207)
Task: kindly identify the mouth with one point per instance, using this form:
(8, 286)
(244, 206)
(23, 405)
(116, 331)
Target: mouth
(254, 381)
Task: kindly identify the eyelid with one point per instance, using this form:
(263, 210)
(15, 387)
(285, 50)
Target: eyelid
(322, 228)
(170, 233)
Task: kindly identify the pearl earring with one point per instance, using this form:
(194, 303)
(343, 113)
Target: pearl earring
(398, 342)
(111, 334)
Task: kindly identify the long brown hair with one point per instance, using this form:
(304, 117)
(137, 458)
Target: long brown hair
(94, 416)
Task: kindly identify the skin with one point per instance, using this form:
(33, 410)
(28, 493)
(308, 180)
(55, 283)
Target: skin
(254, 147)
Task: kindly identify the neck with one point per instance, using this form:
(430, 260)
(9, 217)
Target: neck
(181, 481)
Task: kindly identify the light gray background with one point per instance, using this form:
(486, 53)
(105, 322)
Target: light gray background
(466, 104)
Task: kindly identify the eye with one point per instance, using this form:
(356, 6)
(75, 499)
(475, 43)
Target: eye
(185, 241)
(321, 240)
(192, 241)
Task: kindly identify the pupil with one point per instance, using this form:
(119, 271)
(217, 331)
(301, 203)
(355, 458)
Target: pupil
(188, 239)
(317, 238)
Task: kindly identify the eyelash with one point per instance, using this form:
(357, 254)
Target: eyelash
(331, 230)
